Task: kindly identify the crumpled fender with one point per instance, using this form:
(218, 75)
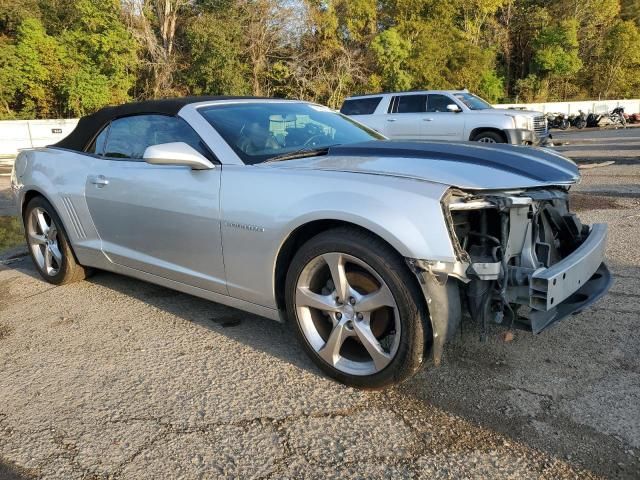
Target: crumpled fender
(442, 295)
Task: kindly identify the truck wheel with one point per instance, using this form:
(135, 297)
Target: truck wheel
(489, 137)
(356, 309)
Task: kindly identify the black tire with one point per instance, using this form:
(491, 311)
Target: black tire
(581, 123)
(564, 124)
(489, 137)
(390, 266)
(70, 270)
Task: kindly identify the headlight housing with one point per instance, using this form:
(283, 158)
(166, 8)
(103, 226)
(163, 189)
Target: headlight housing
(522, 122)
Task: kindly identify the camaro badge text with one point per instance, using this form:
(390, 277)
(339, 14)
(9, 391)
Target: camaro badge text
(251, 228)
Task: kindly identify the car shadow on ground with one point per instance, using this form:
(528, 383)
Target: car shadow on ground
(495, 385)
(269, 336)
(9, 471)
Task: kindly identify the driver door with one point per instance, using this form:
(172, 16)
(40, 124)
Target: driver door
(439, 123)
(159, 219)
(404, 120)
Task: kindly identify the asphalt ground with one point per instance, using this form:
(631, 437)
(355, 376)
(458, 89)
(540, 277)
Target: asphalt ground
(117, 378)
(592, 145)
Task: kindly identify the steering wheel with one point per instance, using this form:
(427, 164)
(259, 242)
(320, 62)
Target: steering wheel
(312, 138)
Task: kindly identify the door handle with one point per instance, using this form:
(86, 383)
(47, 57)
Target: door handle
(99, 180)
(391, 119)
(427, 119)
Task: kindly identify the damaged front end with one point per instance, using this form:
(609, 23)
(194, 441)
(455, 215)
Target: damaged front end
(523, 260)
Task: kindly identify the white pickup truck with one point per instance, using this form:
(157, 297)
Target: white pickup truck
(454, 115)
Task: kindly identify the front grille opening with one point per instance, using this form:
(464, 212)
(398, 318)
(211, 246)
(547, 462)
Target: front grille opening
(540, 125)
(478, 232)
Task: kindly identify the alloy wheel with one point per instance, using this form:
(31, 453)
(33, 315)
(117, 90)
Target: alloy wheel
(42, 235)
(347, 314)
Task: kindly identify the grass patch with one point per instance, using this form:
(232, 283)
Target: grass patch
(11, 232)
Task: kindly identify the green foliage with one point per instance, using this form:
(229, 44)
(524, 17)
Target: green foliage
(9, 76)
(70, 57)
(82, 59)
(527, 88)
(358, 19)
(630, 11)
(13, 12)
(100, 55)
(557, 50)
(217, 64)
(37, 69)
(491, 86)
(620, 66)
(391, 51)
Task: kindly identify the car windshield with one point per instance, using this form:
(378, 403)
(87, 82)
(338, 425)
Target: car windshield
(259, 131)
(472, 102)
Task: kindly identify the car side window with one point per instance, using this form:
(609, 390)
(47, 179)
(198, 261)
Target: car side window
(129, 137)
(360, 106)
(409, 104)
(97, 145)
(438, 103)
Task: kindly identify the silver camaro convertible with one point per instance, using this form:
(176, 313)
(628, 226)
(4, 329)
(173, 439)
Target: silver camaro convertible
(373, 250)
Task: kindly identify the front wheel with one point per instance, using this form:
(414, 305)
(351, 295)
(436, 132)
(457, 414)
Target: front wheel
(49, 245)
(356, 309)
(489, 137)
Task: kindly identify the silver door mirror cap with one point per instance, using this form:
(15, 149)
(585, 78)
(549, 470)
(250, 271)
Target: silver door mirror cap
(176, 153)
(452, 107)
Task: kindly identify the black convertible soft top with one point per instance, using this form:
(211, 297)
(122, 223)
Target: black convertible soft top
(89, 126)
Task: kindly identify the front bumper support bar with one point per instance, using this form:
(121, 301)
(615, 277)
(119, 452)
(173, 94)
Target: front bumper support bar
(571, 284)
(590, 292)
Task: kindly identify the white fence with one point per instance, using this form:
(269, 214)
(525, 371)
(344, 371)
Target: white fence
(595, 106)
(17, 134)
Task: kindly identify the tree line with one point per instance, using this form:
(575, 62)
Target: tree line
(67, 58)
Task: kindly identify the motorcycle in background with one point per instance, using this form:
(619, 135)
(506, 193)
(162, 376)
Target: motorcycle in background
(558, 120)
(593, 120)
(618, 118)
(578, 121)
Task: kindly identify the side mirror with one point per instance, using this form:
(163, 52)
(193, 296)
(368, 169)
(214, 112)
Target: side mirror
(453, 108)
(176, 153)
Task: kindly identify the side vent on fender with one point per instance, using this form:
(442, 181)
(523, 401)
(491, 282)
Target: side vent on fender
(73, 215)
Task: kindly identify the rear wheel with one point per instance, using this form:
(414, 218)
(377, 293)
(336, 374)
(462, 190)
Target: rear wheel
(49, 245)
(489, 137)
(356, 309)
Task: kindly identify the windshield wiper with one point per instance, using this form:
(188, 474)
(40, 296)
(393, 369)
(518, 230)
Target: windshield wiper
(301, 153)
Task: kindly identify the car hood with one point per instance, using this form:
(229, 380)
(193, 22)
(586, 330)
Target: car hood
(512, 111)
(465, 165)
